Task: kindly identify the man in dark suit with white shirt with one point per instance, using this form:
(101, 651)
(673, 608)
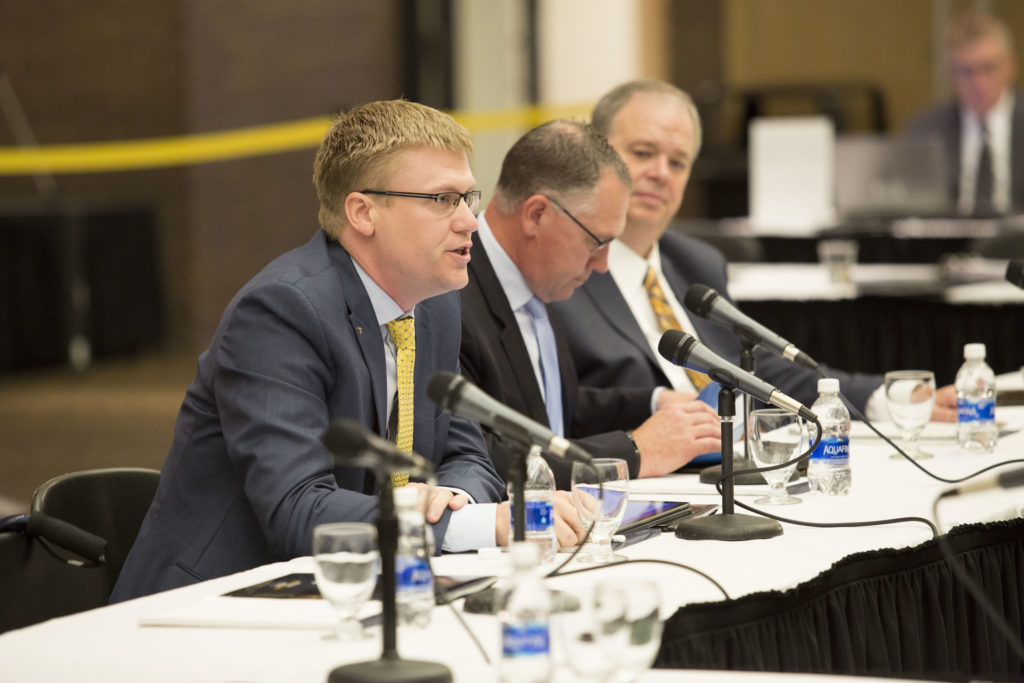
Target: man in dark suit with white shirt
(982, 130)
(611, 323)
(560, 200)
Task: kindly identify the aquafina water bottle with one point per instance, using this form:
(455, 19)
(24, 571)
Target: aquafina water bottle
(829, 468)
(976, 430)
(414, 596)
(539, 495)
(525, 616)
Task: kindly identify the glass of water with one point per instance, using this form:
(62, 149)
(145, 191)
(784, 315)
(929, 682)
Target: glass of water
(345, 563)
(594, 636)
(643, 628)
(910, 397)
(775, 436)
(600, 511)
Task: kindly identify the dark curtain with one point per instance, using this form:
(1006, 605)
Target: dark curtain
(897, 613)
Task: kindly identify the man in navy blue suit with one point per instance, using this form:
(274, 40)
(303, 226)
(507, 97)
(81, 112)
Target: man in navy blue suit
(609, 322)
(308, 340)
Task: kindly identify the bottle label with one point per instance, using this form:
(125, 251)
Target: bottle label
(834, 450)
(412, 574)
(982, 410)
(525, 639)
(538, 515)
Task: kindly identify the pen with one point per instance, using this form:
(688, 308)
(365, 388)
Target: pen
(620, 541)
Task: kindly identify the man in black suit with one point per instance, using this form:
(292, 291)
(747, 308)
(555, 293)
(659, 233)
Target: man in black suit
(561, 198)
(610, 322)
(982, 130)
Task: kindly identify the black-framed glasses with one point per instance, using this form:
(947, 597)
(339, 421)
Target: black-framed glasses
(445, 201)
(600, 242)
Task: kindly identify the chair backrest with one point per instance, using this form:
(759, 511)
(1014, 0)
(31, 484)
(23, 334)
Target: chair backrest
(36, 586)
(110, 503)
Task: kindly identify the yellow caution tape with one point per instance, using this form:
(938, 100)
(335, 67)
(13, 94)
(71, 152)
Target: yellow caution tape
(201, 148)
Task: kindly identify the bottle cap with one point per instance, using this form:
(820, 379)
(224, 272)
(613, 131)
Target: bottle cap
(828, 385)
(524, 554)
(974, 351)
(407, 496)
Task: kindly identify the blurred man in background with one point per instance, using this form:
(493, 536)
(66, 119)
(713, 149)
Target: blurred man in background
(982, 131)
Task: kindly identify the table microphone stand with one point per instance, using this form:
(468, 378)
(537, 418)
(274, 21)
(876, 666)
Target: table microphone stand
(727, 526)
(711, 474)
(390, 668)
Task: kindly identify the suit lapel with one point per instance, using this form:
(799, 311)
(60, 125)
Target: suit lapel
(608, 300)
(510, 336)
(423, 410)
(363, 322)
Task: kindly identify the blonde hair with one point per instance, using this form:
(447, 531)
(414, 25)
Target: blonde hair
(356, 150)
(615, 99)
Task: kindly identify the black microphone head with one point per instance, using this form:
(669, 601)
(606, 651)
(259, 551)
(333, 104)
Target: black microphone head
(675, 346)
(1015, 272)
(444, 388)
(699, 299)
(345, 438)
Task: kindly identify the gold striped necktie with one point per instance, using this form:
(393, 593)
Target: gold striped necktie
(403, 332)
(667, 320)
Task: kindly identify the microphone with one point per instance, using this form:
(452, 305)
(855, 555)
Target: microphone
(1005, 480)
(352, 444)
(464, 399)
(1015, 272)
(705, 302)
(680, 348)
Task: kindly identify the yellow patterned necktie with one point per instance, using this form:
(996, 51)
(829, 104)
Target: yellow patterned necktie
(667, 321)
(403, 331)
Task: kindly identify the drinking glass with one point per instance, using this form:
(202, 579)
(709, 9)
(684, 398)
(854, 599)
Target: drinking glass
(910, 397)
(643, 628)
(594, 636)
(345, 563)
(775, 437)
(602, 514)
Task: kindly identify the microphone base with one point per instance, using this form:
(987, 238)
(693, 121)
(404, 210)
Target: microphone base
(728, 528)
(711, 474)
(391, 671)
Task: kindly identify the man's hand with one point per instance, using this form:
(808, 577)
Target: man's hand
(569, 529)
(680, 431)
(945, 404)
(437, 500)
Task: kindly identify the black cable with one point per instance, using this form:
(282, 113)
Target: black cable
(649, 561)
(1013, 638)
(863, 418)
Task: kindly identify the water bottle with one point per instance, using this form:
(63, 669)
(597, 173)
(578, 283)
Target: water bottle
(525, 615)
(829, 468)
(976, 430)
(414, 596)
(539, 495)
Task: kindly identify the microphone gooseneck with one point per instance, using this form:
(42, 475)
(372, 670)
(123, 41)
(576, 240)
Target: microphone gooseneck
(681, 348)
(706, 303)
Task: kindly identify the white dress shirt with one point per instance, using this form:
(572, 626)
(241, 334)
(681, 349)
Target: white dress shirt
(998, 121)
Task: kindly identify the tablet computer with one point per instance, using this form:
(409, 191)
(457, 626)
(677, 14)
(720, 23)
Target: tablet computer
(644, 514)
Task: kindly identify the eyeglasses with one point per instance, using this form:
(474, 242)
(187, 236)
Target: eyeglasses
(600, 242)
(446, 202)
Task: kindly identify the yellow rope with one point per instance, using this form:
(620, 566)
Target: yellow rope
(201, 148)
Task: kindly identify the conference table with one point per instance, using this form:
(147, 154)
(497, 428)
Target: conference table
(196, 633)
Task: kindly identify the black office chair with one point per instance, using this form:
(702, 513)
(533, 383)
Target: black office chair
(110, 503)
(37, 582)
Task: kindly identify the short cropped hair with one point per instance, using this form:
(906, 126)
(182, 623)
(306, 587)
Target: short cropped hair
(355, 151)
(970, 27)
(563, 157)
(615, 99)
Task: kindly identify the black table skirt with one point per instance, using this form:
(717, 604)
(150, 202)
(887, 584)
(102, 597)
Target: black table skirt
(898, 613)
(875, 334)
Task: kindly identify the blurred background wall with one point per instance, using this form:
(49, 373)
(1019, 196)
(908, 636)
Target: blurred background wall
(122, 70)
